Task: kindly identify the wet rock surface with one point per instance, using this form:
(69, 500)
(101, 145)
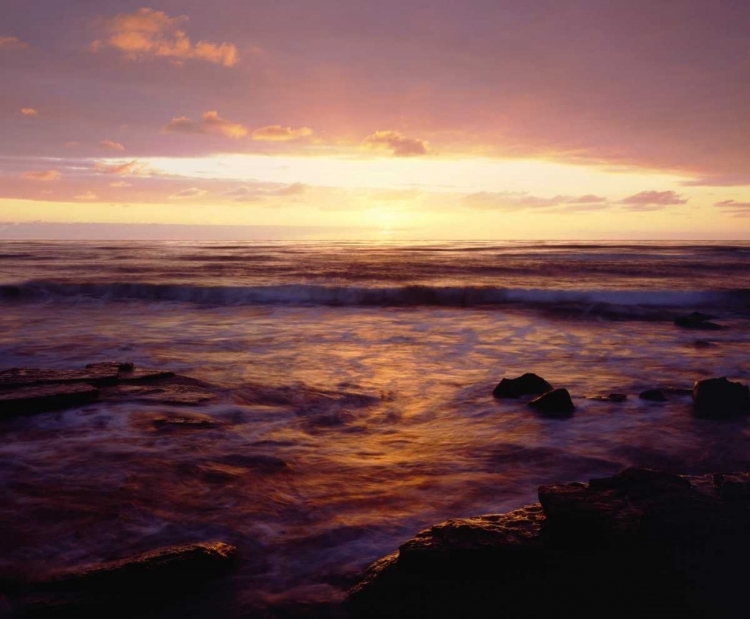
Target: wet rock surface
(640, 543)
(122, 587)
(719, 397)
(698, 320)
(526, 384)
(41, 398)
(32, 390)
(555, 403)
(653, 395)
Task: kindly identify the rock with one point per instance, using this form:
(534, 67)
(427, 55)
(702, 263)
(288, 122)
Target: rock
(117, 587)
(42, 398)
(653, 395)
(677, 391)
(184, 422)
(733, 487)
(697, 320)
(22, 377)
(612, 397)
(117, 366)
(719, 397)
(639, 540)
(555, 402)
(142, 374)
(527, 384)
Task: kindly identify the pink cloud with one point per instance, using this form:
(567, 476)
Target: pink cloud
(10, 42)
(210, 123)
(277, 133)
(651, 200)
(42, 175)
(130, 168)
(400, 145)
(185, 194)
(29, 111)
(109, 144)
(148, 34)
(89, 195)
(72, 144)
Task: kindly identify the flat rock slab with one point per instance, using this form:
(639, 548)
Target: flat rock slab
(42, 398)
(116, 588)
(23, 377)
(161, 393)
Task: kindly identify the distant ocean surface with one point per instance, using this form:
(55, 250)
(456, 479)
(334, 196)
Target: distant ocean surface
(375, 364)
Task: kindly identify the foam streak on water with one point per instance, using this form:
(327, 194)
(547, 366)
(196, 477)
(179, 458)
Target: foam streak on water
(368, 371)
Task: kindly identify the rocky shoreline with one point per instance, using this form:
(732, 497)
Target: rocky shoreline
(642, 543)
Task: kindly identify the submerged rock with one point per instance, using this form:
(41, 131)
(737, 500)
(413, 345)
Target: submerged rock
(640, 543)
(697, 320)
(653, 395)
(719, 397)
(526, 384)
(25, 377)
(42, 398)
(612, 397)
(555, 402)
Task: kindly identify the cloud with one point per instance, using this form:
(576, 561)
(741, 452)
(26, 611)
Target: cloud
(400, 145)
(43, 175)
(29, 111)
(209, 124)
(733, 207)
(185, 194)
(9, 42)
(130, 168)
(510, 201)
(277, 133)
(72, 144)
(254, 194)
(121, 184)
(652, 200)
(148, 34)
(111, 145)
(89, 195)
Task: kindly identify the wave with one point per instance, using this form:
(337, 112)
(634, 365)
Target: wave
(594, 301)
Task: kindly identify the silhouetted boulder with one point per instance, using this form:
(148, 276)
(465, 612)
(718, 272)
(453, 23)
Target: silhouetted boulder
(653, 395)
(555, 402)
(527, 384)
(719, 397)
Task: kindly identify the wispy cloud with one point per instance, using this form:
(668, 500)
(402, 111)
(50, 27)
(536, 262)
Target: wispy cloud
(129, 168)
(29, 111)
(249, 193)
(42, 175)
(147, 34)
(400, 145)
(277, 133)
(89, 195)
(110, 145)
(652, 200)
(185, 194)
(733, 207)
(11, 42)
(209, 124)
(485, 200)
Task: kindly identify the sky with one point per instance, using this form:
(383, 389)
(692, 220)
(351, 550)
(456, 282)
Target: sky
(482, 119)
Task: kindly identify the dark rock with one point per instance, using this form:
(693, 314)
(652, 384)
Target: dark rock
(118, 588)
(162, 393)
(142, 374)
(21, 377)
(697, 320)
(42, 398)
(653, 395)
(527, 384)
(184, 422)
(677, 391)
(719, 397)
(612, 397)
(118, 366)
(640, 543)
(733, 487)
(555, 402)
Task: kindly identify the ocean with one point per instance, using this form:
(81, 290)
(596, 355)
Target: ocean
(354, 386)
